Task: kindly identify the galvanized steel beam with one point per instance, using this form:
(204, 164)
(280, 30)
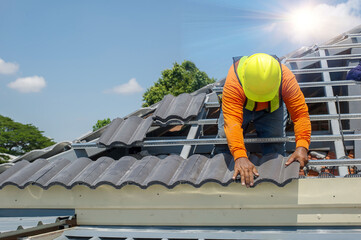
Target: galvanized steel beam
(345, 116)
(333, 57)
(333, 99)
(353, 35)
(335, 162)
(210, 141)
(349, 45)
(193, 133)
(331, 106)
(313, 84)
(308, 100)
(316, 138)
(320, 117)
(321, 70)
(331, 83)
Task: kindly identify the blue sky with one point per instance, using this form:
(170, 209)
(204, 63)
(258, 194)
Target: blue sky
(66, 64)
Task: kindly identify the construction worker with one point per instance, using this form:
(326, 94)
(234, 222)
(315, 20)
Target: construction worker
(256, 90)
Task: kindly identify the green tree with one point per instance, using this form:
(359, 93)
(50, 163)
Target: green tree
(182, 78)
(101, 123)
(17, 138)
(4, 158)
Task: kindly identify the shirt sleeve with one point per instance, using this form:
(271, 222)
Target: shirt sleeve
(232, 107)
(297, 107)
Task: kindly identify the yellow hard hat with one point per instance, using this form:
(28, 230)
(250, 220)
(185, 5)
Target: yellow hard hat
(260, 76)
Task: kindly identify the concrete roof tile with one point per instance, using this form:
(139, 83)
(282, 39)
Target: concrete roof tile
(169, 172)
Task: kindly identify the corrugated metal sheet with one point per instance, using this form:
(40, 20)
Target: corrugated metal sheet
(208, 233)
(127, 132)
(183, 107)
(13, 223)
(16, 220)
(169, 172)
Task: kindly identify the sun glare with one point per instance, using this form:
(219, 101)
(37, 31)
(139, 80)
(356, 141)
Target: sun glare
(304, 21)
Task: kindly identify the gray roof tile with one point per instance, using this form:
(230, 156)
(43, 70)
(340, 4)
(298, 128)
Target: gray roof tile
(139, 172)
(113, 174)
(215, 169)
(46, 173)
(272, 168)
(127, 132)
(164, 171)
(21, 177)
(169, 172)
(189, 170)
(92, 172)
(68, 173)
(4, 177)
(183, 107)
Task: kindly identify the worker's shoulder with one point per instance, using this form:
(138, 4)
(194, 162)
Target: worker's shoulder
(232, 79)
(285, 68)
(287, 74)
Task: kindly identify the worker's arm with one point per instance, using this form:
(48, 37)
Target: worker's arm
(297, 107)
(232, 106)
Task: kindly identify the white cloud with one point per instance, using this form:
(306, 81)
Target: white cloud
(317, 23)
(132, 86)
(8, 68)
(28, 84)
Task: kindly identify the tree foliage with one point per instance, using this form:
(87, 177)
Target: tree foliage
(4, 158)
(182, 78)
(17, 138)
(101, 123)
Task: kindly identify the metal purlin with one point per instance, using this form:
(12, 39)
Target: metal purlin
(313, 84)
(194, 131)
(335, 126)
(211, 141)
(310, 100)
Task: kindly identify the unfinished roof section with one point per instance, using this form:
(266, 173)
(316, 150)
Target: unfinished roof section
(182, 108)
(169, 172)
(323, 69)
(126, 132)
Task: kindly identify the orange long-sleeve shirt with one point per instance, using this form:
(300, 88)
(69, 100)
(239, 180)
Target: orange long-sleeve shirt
(234, 98)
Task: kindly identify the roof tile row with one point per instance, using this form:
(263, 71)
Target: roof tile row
(169, 172)
(134, 129)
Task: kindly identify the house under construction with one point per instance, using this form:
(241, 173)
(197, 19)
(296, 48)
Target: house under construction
(154, 174)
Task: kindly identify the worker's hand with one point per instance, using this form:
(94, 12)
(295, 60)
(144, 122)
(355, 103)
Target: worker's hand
(246, 169)
(299, 155)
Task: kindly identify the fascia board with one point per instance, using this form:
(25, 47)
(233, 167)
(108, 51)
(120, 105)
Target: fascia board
(303, 202)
